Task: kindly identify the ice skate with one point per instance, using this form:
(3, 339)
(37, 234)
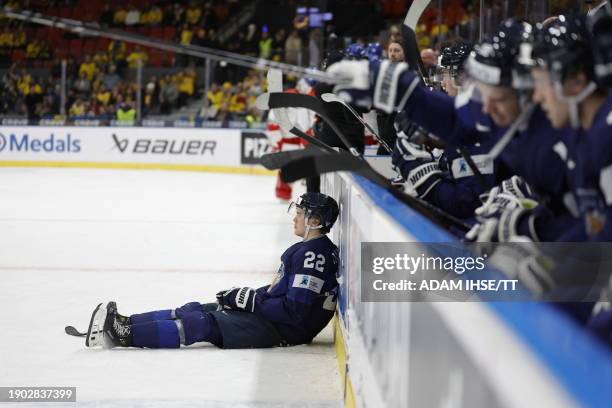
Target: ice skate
(108, 328)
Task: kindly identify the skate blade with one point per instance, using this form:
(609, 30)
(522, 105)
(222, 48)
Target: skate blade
(95, 334)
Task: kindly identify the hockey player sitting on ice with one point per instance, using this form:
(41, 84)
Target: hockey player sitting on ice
(292, 310)
(494, 106)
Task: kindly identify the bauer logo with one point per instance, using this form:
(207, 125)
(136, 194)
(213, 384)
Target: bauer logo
(30, 144)
(191, 147)
(253, 146)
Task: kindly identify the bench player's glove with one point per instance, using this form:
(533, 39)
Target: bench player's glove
(237, 299)
(418, 167)
(510, 194)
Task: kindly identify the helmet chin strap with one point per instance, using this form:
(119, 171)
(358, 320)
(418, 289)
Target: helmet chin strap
(574, 101)
(308, 227)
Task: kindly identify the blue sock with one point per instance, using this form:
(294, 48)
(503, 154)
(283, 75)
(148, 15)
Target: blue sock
(196, 327)
(157, 334)
(152, 316)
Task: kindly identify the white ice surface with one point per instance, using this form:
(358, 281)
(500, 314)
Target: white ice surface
(72, 238)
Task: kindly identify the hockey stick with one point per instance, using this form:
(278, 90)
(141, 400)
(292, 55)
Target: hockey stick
(280, 100)
(415, 62)
(274, 161)
(320, 164)
(408, 30)
(326, 163)
(276, 100)
(314, 166)
(72, 331)
(330, 97)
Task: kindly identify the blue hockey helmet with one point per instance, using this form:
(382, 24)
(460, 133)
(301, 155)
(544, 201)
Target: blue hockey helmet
(354, 51)
(373, 52)
(320, 206)
(494, 60)
(563, 47)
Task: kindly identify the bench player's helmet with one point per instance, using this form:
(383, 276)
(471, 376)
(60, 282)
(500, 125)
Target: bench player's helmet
(354, 51)
(494, 60)
(318, 205)
(564, 49)
(373, 52)
(453, 58)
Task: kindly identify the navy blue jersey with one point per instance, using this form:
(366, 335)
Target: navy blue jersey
(302, 298)
(535, 152)
(589, 172)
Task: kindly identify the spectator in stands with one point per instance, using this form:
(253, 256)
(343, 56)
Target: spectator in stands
(82, 85)
(293, 49)
(193, 14)
(151, 96)
(119, 16)
(153, 16)
(103, 96)
(126, 112)
(278, 45)
(6, 38)
(238, 102)
(101, 60)
(136, 57)
(215, 95)
(33, 49)
(265, 44)
(88, 67)
(250, 44)
(168, 94)
(132, 17)
(315, 43)
(77, 108)
(186, 87)
(32, 100)
(111, 78)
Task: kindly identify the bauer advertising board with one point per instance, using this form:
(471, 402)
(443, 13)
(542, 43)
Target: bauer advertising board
(180, 148)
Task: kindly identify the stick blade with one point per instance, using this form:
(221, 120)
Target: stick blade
(274, 161)
(321, 164)
(72, 331)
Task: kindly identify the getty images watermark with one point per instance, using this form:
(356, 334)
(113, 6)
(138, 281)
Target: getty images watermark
(410, 271)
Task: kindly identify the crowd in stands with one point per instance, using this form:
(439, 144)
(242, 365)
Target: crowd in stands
(95, 89)
(99, 83)
(235, 102)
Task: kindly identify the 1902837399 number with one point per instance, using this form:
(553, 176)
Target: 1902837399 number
(38, 394)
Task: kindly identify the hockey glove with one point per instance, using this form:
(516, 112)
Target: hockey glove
(418, 167)
(521, 259)
(510, 194)
(237, 299)
(374, 84)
